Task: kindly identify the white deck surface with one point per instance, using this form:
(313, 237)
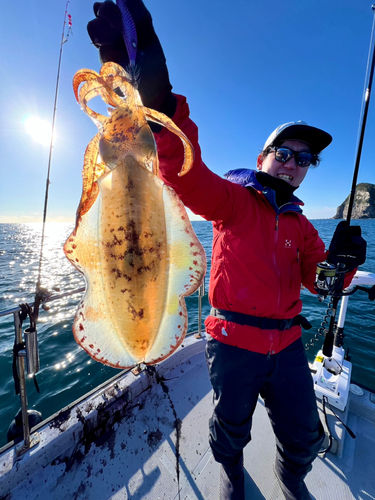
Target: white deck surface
(137, 458)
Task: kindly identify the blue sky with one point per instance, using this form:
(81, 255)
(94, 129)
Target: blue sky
(246, 67)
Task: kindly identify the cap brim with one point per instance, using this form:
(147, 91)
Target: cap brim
(316, 138)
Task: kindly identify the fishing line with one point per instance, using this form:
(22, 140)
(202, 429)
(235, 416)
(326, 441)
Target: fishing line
(48, 182)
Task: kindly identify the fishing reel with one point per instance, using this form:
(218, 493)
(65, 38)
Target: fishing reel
(326, 278)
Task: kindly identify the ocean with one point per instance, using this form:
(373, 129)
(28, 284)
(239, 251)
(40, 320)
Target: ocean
(67, 372)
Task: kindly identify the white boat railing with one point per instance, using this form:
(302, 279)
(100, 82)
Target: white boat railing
(31, 440)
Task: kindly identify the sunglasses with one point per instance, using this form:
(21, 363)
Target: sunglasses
(303, 158)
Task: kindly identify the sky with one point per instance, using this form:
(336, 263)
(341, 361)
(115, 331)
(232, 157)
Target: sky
(245, 66)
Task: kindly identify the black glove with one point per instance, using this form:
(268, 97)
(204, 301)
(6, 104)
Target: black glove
(347, 246)
(106, 34)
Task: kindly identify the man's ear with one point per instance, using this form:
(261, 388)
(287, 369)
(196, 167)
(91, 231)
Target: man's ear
(260, 162)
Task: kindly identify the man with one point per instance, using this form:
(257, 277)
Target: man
(263, 249)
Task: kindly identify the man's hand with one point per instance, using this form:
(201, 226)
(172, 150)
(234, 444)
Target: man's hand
(347, 246)
(105, 32)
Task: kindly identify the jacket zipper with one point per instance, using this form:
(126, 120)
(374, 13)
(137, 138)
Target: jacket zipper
(274, 260)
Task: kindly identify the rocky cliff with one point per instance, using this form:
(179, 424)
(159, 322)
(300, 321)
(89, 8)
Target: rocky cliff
(363, 206)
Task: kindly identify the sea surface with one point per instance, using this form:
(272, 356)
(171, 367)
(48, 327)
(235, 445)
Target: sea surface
(67, 372)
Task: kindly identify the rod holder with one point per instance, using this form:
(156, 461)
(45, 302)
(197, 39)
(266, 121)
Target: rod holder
(32, 350)
(201, 293)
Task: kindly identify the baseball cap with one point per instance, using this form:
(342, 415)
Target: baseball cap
(316, 138)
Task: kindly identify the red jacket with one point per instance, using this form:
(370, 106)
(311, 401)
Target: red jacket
(260, 254)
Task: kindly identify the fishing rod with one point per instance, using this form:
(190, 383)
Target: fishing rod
(64, 38)
(371, 65)
(27, 344)
(330, 279)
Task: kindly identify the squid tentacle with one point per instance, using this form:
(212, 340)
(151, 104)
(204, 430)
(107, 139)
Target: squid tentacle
(119, 78)
(92, 170)
(86, 75)
(166, 122)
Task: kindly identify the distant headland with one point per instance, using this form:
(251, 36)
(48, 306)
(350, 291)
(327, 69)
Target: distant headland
(363, 206)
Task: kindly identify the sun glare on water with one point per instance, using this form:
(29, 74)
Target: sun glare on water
(40, 130)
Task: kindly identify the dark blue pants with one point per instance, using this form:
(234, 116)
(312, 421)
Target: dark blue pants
(284, 381)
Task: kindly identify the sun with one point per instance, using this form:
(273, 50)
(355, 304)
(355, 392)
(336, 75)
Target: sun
(40, 130)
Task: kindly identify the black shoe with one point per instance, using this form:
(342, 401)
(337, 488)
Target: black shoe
(299, 492)
(293, 489)
(232, 482)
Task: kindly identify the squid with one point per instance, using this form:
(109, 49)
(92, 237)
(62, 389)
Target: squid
(132, 240)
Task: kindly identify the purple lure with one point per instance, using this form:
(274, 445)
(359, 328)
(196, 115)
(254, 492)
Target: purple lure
(129, 31)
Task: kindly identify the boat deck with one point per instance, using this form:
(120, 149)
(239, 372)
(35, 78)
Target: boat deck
(145, 437)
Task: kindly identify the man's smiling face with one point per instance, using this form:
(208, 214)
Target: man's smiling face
(288, 171)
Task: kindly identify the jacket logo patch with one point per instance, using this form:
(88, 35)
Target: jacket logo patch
(288, 243)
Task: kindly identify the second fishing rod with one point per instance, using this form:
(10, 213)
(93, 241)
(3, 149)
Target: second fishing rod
(330, 276)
